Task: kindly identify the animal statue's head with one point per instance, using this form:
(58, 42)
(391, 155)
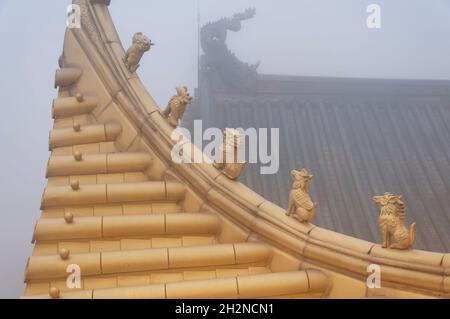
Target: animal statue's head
(390, 203)
(142, 42)
(302, 179)
(183, 95)
(234, 24)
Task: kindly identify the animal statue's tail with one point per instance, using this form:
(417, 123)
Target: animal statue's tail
(412, 234)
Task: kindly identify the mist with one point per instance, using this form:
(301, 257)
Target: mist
(292, 37)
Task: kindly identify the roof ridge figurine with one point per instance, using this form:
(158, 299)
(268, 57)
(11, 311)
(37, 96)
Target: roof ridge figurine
(227, 72)
(177, 106)
(134, 54)
(300, 202)
(230, 164)
(392, 222)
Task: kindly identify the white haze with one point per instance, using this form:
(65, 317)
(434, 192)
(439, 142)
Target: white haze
(296, 37)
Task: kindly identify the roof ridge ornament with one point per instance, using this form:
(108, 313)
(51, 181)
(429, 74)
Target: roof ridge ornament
(177, 106)
(300, 202)
(225, 71)
(230, 165)
(134, 54)
(392, 222)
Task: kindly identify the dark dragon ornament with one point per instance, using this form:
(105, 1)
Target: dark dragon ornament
(226, 72)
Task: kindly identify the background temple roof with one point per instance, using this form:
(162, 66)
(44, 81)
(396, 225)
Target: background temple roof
(359, 137)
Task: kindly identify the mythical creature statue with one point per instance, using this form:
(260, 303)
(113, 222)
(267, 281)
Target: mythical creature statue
(177, 105)
(229, 163)
(225, 70)
(133, 56)
(392, 222)
(300, 202)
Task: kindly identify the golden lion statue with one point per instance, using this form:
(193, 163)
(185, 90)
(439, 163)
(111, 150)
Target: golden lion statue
(133, 56)
(177, 105)
(392, 222)
(300, 202)
(230, 165)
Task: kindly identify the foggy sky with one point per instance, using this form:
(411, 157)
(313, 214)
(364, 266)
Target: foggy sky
(292, 37)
